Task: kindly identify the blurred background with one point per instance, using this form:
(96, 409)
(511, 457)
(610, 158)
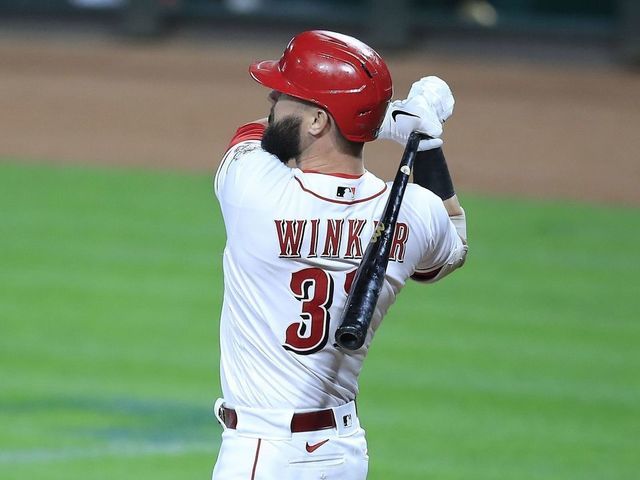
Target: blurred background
(114, 115)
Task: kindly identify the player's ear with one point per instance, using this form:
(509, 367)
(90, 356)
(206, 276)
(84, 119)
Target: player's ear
(319, 121)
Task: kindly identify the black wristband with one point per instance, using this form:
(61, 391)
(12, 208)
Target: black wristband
(431, 172)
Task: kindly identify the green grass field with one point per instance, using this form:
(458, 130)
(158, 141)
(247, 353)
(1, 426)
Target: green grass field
(525, 365)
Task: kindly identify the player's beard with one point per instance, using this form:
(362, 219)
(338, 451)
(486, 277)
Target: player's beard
(282, 138)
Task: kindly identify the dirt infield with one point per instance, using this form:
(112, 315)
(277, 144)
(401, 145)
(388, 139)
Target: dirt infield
(532, 130)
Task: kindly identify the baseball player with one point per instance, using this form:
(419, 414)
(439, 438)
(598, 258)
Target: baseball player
(299, 209)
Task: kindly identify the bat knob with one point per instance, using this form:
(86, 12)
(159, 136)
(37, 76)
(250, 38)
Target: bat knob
(350, 337)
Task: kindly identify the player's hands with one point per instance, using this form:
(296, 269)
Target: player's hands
(437, 93)
(429, 104)
(405, 116)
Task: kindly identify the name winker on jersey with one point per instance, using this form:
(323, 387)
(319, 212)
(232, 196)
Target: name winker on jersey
(325, 238)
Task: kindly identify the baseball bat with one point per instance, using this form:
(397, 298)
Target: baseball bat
(366, 286)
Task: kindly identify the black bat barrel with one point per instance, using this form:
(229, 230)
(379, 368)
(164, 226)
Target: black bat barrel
(365, 290)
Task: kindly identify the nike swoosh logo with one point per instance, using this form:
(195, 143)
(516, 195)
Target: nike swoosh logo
(314, 447)
(395, 113)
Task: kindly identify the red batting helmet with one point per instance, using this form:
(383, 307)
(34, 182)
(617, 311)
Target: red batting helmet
(336, 72)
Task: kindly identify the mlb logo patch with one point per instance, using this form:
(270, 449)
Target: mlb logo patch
(346, 192)
(346, 420)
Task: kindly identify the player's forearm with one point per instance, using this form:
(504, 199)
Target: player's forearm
(453, 206)
(431, 171)
(457, 216)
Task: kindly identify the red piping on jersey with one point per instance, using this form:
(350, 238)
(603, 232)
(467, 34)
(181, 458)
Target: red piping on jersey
(250, 131)
(339, 201)
(255, 462)
(341, 175)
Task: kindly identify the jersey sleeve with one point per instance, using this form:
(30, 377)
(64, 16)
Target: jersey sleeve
(442, 240)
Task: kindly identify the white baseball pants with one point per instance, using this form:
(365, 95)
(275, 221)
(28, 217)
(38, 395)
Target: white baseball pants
(262, 447)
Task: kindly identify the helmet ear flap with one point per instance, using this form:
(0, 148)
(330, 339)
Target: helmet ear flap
(336, 72)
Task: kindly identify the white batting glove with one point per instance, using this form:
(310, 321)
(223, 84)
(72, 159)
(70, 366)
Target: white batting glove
(429, 104)
(437, 93)
(405, 116)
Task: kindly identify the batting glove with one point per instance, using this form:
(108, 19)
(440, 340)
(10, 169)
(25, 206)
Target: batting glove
(437, 93)
(429, 104)
(405, 116)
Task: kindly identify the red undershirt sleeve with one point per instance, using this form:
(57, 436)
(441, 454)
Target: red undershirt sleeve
(250, 131)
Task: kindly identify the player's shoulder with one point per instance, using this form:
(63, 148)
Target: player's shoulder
(420, 195)
(248, 132)
(422, 206)
(414, 190)
(245, 141)
(246, 145)
(246, 166)
(248, 149)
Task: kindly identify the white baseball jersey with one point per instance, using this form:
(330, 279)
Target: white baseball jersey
(294, 241)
